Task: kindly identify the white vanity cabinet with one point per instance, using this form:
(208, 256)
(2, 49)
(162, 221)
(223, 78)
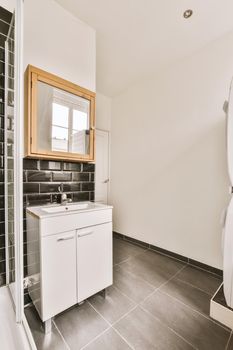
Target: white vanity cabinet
(94, 259)
(75, 255)
(58, 272)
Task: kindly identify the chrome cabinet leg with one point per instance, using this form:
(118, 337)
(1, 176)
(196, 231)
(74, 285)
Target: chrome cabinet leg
(103, 293)
(48, 326)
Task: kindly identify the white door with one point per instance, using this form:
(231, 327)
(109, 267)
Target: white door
(94, 259)
(230, 134)
(228, 227)
(228, 256)
(102, 166)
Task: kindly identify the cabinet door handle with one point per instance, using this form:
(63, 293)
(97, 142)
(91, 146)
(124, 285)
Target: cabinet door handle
(64, 239)
(85, 234)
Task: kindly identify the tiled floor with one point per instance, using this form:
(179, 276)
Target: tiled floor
(155, 303)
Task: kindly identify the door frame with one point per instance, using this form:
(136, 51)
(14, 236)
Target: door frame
(107, 132)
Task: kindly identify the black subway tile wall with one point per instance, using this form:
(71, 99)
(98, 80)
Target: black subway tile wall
(5, 19)
(41, 182)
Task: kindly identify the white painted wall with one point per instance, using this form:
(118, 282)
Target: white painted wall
(59, 43)
(103, 112)
(169, 179)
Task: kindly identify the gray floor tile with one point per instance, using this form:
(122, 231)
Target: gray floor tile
(133, 286)
(153, 267)
(189, 295)
(230, 344)
(134, 278)
(204, 280)
(114, 306)
(80, 325)
(123, 250)
(197, 329)
(109, 340)
(52, 341)
(143, 331)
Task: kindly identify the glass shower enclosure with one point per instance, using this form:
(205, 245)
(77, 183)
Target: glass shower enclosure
(12, 72)
(9, 158)
(13, 136)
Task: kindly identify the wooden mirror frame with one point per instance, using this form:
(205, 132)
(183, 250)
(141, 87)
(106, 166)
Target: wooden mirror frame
(33, 75)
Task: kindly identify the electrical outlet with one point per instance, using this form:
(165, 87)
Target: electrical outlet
(25, 282)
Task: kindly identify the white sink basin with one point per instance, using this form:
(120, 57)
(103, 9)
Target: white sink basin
(65, 208)
(61, 209)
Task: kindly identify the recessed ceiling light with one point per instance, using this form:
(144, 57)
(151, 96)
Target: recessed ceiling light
(188, 13)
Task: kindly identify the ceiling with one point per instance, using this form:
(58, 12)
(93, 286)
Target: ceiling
(137, 38)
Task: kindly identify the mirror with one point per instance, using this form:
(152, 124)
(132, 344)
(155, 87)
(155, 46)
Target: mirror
(60, 118)
(63, 120)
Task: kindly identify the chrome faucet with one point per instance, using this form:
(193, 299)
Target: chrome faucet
(62, 197)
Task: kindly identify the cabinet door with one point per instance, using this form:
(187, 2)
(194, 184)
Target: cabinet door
(58, 273)
(94, 259)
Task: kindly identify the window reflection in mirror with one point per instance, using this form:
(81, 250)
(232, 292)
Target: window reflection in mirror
(60, 127)
(63, 121)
